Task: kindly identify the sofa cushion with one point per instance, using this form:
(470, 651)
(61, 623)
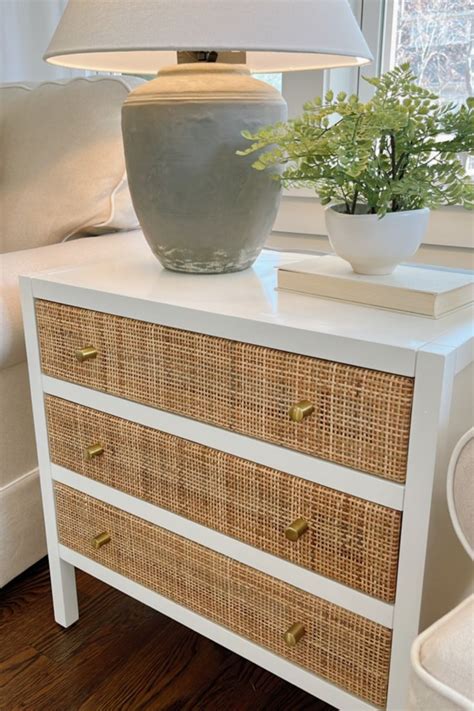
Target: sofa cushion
(90, 250)
(62, 167)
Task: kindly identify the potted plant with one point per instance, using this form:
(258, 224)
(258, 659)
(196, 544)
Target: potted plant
(380, 166)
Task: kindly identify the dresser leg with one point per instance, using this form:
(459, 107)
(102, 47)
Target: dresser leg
(63, 577)
(63, 585)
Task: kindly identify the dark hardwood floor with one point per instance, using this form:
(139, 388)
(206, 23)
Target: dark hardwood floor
(121, 655)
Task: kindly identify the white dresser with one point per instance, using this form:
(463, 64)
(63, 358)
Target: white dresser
(259, 466)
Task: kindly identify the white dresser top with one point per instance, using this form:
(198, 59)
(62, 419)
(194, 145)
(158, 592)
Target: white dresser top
(245, 306)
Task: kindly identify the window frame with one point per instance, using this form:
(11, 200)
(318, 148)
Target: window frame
(298, 87)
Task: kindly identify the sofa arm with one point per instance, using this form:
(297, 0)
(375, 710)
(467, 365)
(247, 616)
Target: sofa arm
(78, 252)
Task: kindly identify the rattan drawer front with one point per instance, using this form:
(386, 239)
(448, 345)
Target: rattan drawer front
(348, 539)
(343, 647)
(361, 417)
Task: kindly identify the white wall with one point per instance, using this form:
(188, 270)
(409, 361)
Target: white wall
(26, 26)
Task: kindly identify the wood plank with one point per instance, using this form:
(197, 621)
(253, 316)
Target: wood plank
(121, 654)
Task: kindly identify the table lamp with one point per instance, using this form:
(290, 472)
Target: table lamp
(203, 208)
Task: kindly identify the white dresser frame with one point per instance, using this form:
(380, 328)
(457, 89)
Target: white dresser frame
(443, 373)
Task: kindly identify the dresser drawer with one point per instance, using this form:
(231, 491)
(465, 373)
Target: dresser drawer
(348, 539)
(357, 417)
(340, 646)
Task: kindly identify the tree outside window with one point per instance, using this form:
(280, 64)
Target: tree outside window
(435, 36)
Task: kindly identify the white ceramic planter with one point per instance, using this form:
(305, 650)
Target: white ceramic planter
(376, 246)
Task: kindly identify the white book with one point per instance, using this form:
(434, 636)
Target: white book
(416, 290)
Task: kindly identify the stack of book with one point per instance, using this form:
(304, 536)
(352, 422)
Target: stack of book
(422, 291)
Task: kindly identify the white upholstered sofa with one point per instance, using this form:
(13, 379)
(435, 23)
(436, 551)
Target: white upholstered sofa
(62, 183)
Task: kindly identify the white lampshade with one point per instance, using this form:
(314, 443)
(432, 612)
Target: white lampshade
(140, 36)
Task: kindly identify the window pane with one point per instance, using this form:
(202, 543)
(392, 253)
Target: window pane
(435, 37)
(273, 79)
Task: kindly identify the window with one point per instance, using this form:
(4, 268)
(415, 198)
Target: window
(273, 79)
(435, 36)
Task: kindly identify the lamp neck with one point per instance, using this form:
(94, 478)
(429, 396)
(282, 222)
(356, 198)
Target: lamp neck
(212, 57)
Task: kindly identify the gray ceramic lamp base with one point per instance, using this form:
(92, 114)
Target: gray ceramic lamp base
(202, 208)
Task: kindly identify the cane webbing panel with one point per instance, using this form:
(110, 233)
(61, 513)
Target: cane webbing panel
(340, 646)
(361, 418)
(350, 540)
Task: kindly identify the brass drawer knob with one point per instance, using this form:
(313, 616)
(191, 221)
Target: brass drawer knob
(101, 540)
(95, 450)
(301, 410)
(296, 529)
(87, 353)
(294, 633)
